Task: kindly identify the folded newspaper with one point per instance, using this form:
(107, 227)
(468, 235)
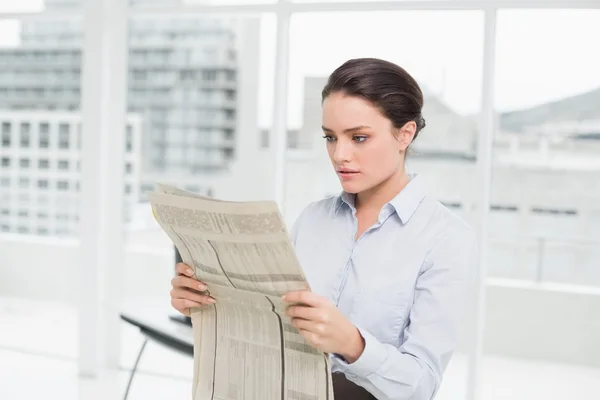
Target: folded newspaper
(245, 347)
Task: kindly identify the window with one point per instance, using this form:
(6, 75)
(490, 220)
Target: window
(42, 215)
(42, 231)
(209, 75)
(5, 228)
(5, 212)
(553, 211)
(128, 168)
(24, 163)
(129, 139)
(23, 183)
(23, 213)
(42, 183)
(497, 207)
(6, 138)
(4, 182)
(127, 189)
(5, 162)
(62, 185)
(63, 136)
(43, 163)
(6, 127)
(22, 229)
(62, 217)
(44, 134)
(25, 134)
(63, 165)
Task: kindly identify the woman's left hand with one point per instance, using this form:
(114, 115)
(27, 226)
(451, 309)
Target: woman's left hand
(323, 325)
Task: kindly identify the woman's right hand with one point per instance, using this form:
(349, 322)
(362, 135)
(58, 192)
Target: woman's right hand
(185, 293)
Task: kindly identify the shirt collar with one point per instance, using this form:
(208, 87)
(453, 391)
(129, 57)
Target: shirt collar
(405, 203)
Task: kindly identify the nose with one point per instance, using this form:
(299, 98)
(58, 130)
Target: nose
(342, 152)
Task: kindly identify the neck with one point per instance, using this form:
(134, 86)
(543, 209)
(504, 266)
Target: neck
(378, 196)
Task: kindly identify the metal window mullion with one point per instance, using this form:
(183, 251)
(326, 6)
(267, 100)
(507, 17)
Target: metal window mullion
(483, 182)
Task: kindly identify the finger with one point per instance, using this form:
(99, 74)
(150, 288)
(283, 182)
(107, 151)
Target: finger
(184, 294)
(184, 281)
(304, 297)
(184, 269)
(312, 338)
(183, 304)
(309, 326)
(308, 313)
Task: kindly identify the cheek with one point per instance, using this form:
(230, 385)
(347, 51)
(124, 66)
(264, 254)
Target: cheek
(381, 160)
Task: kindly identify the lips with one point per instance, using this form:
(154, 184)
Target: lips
(347, 173)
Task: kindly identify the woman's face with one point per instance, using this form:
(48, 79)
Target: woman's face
(361, 142)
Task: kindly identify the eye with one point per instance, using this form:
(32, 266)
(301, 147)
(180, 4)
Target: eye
(328, 138)
(359, 139)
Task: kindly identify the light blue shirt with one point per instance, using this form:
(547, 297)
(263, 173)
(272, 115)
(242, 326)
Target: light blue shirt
(402, 283)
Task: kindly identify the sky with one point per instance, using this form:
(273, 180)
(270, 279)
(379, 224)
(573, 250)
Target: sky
(542, 55)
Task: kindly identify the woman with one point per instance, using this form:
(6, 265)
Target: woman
(387, 264)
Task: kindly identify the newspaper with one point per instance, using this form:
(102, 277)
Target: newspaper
(244, 345)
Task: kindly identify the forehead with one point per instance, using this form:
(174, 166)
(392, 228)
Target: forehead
(342, 112)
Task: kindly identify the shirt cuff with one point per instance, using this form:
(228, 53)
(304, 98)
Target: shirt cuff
(373, 355)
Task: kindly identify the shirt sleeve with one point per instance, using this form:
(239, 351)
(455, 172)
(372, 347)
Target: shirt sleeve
(414, 369)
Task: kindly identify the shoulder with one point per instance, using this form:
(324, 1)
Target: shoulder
(453, 240)
(315, 212)
(443, 221)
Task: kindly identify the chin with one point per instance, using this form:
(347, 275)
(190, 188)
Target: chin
(352, 188)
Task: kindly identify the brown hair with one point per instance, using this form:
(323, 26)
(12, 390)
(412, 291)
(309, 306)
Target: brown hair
(385, 84)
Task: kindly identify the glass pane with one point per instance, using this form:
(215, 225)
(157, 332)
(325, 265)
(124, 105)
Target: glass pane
(198, 86)
(447, 67)
(549, 134)
(144, 3)
(545, 218)
(30, 5)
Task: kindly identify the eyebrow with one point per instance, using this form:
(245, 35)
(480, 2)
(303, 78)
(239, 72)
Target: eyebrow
(349, 130)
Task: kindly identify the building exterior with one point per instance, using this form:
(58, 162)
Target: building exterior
(184, 81)
(40, 171)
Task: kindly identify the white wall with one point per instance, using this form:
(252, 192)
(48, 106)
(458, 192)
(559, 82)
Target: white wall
(556, 323)
(47, 268)
(523, 319)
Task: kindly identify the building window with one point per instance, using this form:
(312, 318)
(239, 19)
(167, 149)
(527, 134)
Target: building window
(23, 183)
(62, 185)
(127, 189)
(42, 231)
(5, 211)
(5, 228)
(5, 162)
(23, 213)
(43, 164)
(498, 207)
(25, 134)
(22, 229)
(43, 183)
(6, 127)
(128, 168)
(63, 136)
(24, 163)
(4, 182)
(44, 135)
(129, 139)
(455, 206)
(42, 215)
(209, 75)
(5, 138)
(63, 165)
(554, 211)
(62, 217)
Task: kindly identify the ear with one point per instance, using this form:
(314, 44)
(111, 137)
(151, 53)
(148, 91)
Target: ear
(407, 134)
